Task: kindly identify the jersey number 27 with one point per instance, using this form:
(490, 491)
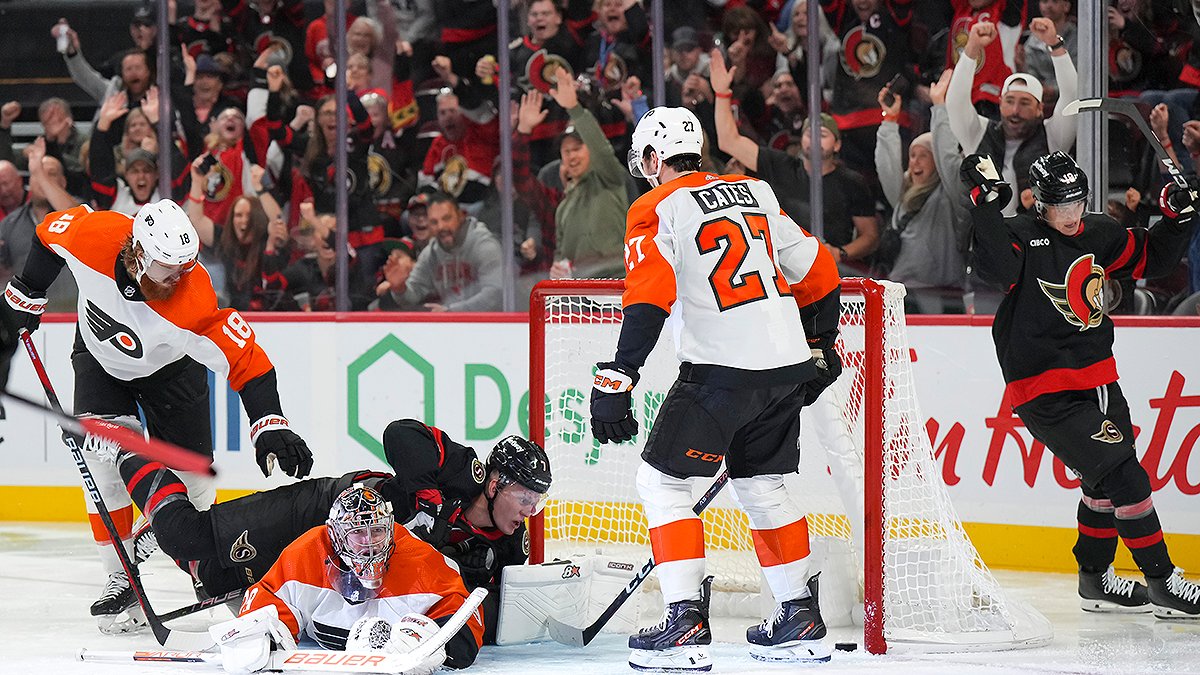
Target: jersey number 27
(732, 286)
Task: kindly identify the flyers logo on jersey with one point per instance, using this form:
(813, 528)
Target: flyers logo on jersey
(115, 333)
(1080, 297)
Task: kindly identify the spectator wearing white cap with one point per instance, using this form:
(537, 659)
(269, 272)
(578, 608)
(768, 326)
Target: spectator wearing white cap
(1023, 133)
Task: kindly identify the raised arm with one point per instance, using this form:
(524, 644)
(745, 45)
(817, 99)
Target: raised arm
(887, 150)
(729, 139)
(968, 125)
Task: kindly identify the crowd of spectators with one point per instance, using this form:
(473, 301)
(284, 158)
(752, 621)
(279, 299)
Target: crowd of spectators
(908, 87)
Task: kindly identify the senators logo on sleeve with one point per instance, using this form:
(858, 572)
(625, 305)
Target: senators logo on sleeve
(1080, 298)
(115, 333)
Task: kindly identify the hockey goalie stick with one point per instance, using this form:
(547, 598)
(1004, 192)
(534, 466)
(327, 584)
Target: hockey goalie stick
(74, 441)
(317, 659)
(1127, 108)
(580, 637)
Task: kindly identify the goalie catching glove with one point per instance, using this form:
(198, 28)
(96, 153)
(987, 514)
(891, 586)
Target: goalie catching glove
(1180, 202)
(375, 634)
(273, 441)
(983, 181)
(612, 407)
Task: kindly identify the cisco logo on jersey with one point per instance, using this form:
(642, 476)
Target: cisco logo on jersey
(115, 333)
(723, 196)
(1080, 297)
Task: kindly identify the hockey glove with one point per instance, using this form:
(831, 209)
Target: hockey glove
(476, 560)
(829, 367)
(983, 181)
(28, 304)
(612, 408)
(274, 441)
(433, 518)
(1180, 202)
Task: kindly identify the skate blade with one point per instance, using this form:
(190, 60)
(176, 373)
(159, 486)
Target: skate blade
(1170, 614)
(131, 620)
(692, 659)
(800, 651)
(1106, 607)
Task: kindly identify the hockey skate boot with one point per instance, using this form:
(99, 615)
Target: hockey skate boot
(679, 642)
(117, 610)
(1174, 597)
(794, 633)
(145, 542)
(1106, 592)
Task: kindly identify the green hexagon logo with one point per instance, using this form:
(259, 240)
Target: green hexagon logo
(390, 344)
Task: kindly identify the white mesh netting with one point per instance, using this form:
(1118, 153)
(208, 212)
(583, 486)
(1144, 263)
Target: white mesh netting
(936, 590)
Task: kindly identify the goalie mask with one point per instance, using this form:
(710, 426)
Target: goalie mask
(361, 532)
(164, 242)
(661, 134)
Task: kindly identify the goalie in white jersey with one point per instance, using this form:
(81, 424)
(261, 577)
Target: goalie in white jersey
(753, 302)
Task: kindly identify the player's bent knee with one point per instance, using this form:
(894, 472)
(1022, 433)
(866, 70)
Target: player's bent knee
(1127, 483)
(765, 501)
(664, 497)
(183, 533)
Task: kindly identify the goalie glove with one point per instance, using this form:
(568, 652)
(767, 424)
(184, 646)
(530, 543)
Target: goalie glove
(1179, 202)
(983, 181)
(247, 641)
(273, 441)
(612, 408)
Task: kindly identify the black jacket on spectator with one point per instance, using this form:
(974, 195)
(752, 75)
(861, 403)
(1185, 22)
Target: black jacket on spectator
(994, 145)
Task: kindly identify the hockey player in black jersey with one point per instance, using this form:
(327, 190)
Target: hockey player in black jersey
(1054, 342)
(473, 512)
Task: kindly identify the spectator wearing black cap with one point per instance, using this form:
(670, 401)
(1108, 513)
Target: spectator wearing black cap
(689, 66)
(207, 88)
(126, 186)
(416, 222)
(134, 70)
(394, 275)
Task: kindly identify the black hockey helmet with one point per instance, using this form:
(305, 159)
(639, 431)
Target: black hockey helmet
(521, 461)
(1056, 179)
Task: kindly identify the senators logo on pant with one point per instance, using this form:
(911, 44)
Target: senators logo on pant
(1109, 433)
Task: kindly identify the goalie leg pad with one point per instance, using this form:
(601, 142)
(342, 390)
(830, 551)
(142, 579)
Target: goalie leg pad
(573, 591)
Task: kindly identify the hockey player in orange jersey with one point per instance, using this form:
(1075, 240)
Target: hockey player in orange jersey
(359, 583)
(753, 302)
(149, 330)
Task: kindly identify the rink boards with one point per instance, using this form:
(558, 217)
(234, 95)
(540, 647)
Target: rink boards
(342, 381)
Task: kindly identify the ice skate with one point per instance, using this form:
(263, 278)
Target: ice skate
(1108, 593)
(145, 542)
(1174, 597)
(679, 642)
(117, 609)
(794, 633)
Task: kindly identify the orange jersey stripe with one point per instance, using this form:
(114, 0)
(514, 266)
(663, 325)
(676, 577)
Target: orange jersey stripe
(781, 545)
(822, 278)
(678, 540)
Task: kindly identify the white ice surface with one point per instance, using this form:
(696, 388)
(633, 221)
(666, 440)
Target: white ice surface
(50, 574)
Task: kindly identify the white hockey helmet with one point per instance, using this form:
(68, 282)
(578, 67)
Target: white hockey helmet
(669, 132)
(168, 240)
(360, 531)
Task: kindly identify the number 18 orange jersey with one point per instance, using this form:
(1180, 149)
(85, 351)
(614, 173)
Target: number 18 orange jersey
(720, 256)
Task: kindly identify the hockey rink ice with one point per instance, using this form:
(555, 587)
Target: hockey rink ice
(50, 574)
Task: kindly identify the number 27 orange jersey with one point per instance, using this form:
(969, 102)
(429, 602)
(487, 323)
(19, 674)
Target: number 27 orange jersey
(719, 255)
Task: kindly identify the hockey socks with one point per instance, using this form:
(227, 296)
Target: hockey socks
(1097, 543)
(183, 532)
(1140, 530)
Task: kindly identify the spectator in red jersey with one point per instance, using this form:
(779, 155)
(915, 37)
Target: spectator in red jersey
(620, 45)
(995, 61)
(459, 160)
(208, 30)
(318, 47)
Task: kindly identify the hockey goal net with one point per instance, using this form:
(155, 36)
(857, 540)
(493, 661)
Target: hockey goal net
(884, 533)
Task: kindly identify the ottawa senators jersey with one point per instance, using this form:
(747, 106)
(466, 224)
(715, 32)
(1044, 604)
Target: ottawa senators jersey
(418, 579)
(132, 337)
(1052, 330)
(718, 254)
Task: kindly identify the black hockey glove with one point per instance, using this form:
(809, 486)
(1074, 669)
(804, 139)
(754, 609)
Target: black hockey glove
(476, 560)
(829, 367)
(274, 441)
(28, 304)
(612, 409)
(983, 181)
(1180, 202)
(432, 522)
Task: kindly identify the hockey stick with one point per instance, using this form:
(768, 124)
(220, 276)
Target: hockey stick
(321, 660)
(202, 605)
(74, 442)
(1127, 108)
(580, 637)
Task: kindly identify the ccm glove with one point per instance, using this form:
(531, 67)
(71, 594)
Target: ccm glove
(612, 409)
(274, 441)
(433, 518)
(983, 181)
(829, 367)
(28, 304)
(1180, 202)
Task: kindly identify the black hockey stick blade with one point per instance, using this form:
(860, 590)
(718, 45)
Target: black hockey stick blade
(203, 605)
(1129, 109)
(567, 634)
